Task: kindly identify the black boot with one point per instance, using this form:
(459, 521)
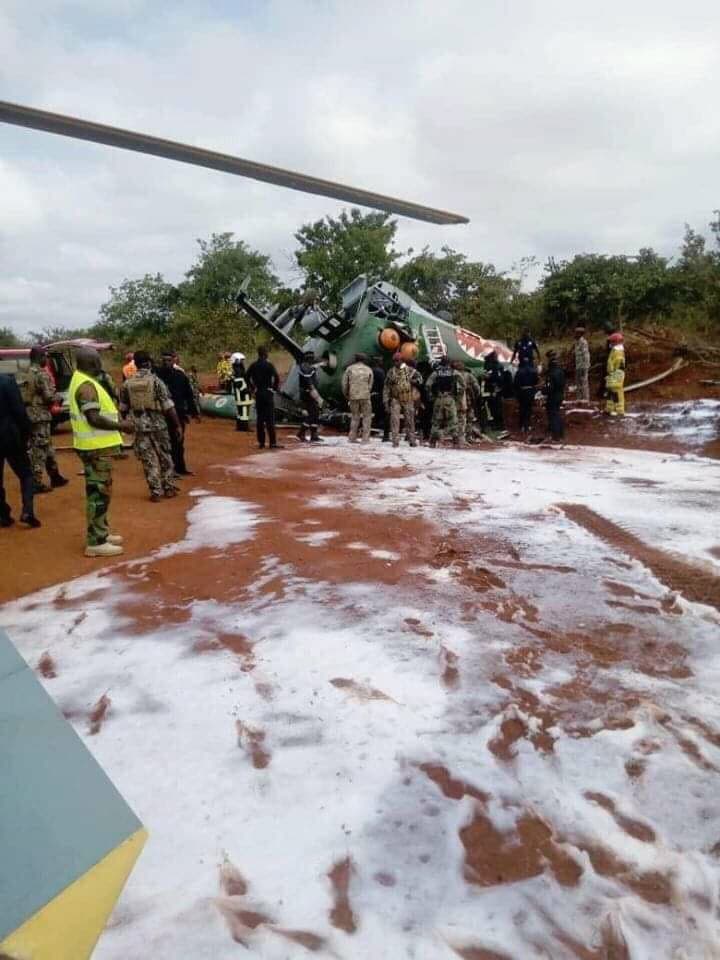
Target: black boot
(314, 438)
(56, 480)
(6, 520)
(30, 519)
(41, 488)
(302, 434)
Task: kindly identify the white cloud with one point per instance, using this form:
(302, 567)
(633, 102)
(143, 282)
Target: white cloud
(556, 127)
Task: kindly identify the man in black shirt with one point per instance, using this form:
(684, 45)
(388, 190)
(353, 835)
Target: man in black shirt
(526, 381)
(554, 396)
(310, 398)
(15, 430)
(494, 390)
(181, 394)
(263, 380)
(525, 349)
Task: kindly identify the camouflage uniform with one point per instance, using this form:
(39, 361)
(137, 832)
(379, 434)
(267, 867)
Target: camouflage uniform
(357, 387)
(147, 400)
(195, 387)
(582, 368)
(97, 467)
(461, 404)
(398, 399)
(40, 394)
(472, 393)
(446, 385)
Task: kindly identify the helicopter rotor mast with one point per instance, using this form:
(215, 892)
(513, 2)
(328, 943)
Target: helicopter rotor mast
(79, 129)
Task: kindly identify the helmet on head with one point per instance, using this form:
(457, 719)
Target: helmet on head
(237, 356)
(616, 338)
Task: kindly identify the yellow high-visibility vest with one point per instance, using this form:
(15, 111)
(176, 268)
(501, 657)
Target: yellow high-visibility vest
(85, 436)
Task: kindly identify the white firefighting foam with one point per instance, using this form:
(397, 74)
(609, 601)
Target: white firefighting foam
(343, 778)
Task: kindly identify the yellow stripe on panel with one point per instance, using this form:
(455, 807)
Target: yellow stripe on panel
(68, 927)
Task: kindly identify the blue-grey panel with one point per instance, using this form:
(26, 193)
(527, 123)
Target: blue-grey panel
(59, 813)
(10, 659)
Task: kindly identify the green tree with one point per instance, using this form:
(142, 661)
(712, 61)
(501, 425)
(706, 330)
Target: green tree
(475, 294)
(596, 289)
(335, 250)
(221, 266)
(55, 334)
(8, 338)
(136, 308)
(697, 280)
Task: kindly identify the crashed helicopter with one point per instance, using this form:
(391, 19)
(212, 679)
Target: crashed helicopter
(376, 319)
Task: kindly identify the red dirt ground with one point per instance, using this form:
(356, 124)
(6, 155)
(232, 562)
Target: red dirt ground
(54, 553)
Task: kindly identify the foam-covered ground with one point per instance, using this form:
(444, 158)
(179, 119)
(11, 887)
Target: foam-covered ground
(416, 703)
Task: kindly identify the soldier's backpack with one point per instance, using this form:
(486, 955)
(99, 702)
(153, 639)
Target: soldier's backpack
(142, 394)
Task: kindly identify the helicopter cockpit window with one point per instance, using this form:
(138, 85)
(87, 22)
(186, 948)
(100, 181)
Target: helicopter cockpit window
(386, 307)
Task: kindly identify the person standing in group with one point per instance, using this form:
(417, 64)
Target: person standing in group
(493, 380)
(398, 399)
(224, 373)
(310, 399)
(466, 402)
(40, 395)
(15, 429)
(444, 386)
(263, 381)
(554, 396)
(526, 384)
(241, 392)
(582, 365)
(525, 348)
(145, 397)
(95, 425)
(129, 369)
(379, 413)
(424, 371)
(194, 379)
(357, 385)
(181, 394)
(615, 376)
(472, 392)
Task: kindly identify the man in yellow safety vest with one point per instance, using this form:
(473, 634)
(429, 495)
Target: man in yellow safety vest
(96, 424)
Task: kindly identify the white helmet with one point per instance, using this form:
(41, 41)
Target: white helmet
(237, 356)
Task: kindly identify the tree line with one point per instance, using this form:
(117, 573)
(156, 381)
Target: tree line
(198, 317)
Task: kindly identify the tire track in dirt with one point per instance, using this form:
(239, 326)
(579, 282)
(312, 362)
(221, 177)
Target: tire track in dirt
(693, 582)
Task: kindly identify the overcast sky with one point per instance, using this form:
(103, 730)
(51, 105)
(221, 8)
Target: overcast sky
(557, 127)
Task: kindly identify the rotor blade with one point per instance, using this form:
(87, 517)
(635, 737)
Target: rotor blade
(171, 150)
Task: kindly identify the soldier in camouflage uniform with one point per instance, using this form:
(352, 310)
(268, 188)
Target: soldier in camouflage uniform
(467, 402)
(146, 399)
(357, 386)
(445, 385)
(398, 399)
(39, 395)
(582, 365)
